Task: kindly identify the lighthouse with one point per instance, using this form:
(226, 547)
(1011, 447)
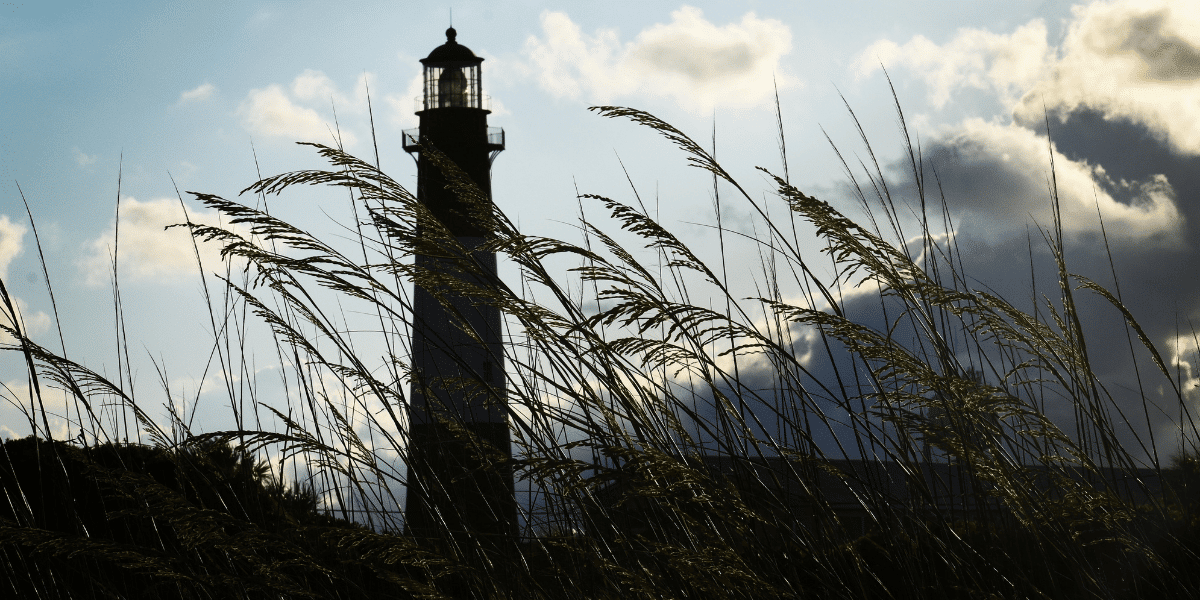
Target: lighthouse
(460, 485)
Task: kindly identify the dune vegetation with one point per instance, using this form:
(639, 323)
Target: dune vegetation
(914, 460)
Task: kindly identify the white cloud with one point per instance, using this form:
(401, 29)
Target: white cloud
(1183, 352)
(33, 323)
(11, 235)
(199, 94)
(272, 112)
(1128, 59)
(998, 174)
(317, 88)
(147, 250)
(82, 159)
(497, 68)
(403, 107)
(1138, 60)
(690, 60)
(313, 85)
(16, 417)
(1006, 64)
(1124, 60)
(19, 393)
(497, 107)
(269, 112)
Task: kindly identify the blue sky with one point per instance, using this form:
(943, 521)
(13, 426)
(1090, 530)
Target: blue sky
(205, 96)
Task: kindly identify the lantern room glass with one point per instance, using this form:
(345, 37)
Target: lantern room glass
(453, 85)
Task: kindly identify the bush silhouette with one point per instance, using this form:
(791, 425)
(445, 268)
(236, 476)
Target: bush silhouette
(145, 522)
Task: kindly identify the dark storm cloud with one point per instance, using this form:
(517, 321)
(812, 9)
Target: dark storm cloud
(996, 196)
(996, 183)
(1124, 132)
(1128, 151)
(1126, 159)
(998, 178)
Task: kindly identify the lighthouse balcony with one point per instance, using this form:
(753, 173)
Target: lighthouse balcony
(422, 102)
(495, 140)
(411, 140)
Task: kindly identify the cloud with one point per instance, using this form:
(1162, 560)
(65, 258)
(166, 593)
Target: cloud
(33, 323)
(1137, 60)
(11, 236)
(403, 107)
(1125, 76)
(1007, 64)
(497, 107)
(1129, 59)
(296, 112)
(11, 246)
(18, 393)
(690, 60)
(269, 112)
(995, 179)
(996, 176)
(315, 87)
(82, 159)
(1122, 83)
(147, 250)
(17, 402)
(1182, 354)
(199, 94)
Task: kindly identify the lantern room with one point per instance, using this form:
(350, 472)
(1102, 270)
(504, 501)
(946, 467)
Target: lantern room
(452, 77)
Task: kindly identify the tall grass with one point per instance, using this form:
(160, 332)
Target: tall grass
(654, 456)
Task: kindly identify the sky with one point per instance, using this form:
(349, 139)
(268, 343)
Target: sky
(145, 101)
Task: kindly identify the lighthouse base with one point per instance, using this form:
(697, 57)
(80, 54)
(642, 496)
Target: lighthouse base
(460, 485)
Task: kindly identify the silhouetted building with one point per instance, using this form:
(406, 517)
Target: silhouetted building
(460, 480)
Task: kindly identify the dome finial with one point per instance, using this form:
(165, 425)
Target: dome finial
(450, 35)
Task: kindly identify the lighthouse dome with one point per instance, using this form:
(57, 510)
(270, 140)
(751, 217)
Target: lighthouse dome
(451, 51)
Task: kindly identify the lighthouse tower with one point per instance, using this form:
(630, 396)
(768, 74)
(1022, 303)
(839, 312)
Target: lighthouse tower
(459, 481)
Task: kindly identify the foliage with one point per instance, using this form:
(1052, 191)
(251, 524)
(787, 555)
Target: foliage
(197, 521)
